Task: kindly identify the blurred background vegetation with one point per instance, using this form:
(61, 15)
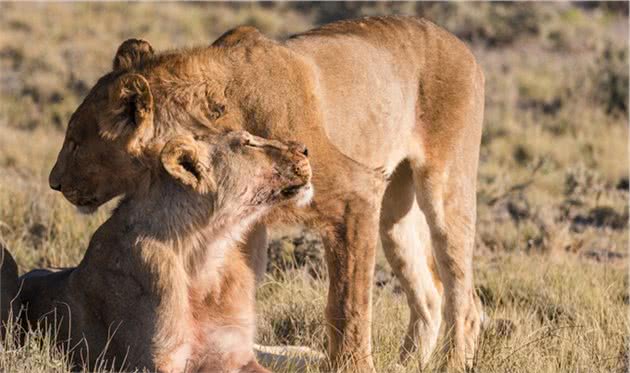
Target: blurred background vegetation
(553, 180)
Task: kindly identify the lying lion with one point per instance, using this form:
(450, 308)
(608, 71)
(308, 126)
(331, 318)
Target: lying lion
(162, 285)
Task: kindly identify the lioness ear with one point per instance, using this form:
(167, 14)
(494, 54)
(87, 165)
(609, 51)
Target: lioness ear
(239, 35)
(131, 52)
(131, 112)
(180, 158)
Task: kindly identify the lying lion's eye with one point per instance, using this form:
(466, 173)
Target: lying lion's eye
(246, 142)
(250, 145)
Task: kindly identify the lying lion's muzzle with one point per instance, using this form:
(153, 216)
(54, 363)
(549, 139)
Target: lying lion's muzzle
(297, 175)
(292, 170)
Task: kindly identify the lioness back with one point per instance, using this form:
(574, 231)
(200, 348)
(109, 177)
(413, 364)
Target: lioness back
(382, 79)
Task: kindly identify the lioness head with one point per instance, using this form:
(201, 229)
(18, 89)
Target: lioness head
(108, 138)
(99, 159)
(240, 169)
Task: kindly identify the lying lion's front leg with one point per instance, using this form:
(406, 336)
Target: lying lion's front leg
(253, 367)
(350, 250)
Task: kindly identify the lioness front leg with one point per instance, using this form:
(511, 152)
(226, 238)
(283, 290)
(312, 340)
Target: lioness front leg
(350, 248)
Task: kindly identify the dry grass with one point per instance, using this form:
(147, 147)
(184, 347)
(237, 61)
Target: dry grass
(553, 180)
(565, 315)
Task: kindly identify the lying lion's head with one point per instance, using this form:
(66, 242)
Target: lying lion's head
(239, 170)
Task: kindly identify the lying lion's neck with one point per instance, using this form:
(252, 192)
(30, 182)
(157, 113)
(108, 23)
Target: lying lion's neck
(189, 224)
(205, 289)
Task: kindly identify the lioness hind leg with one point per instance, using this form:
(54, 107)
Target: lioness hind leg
(452, 225)
(406, 242)
(447, 196)
(445, 177)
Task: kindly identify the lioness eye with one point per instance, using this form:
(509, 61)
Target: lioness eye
(73, 147)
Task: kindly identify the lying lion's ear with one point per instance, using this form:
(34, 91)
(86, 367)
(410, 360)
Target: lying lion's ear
(131, 52)
(180, 158)
(131, 112)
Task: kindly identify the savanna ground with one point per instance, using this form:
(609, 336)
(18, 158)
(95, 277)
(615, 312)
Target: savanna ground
(551, 262)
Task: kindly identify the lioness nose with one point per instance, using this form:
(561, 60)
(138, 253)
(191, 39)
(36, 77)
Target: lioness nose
(299, 148)
(53, 178)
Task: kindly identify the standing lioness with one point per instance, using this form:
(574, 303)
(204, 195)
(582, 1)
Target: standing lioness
(391, 111)
(163, 285)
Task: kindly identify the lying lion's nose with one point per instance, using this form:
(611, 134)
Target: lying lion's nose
(55, 186)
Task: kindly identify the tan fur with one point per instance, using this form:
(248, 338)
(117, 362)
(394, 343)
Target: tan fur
(162, 285)
(130, 94)
(130, 52)
(368, 97)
